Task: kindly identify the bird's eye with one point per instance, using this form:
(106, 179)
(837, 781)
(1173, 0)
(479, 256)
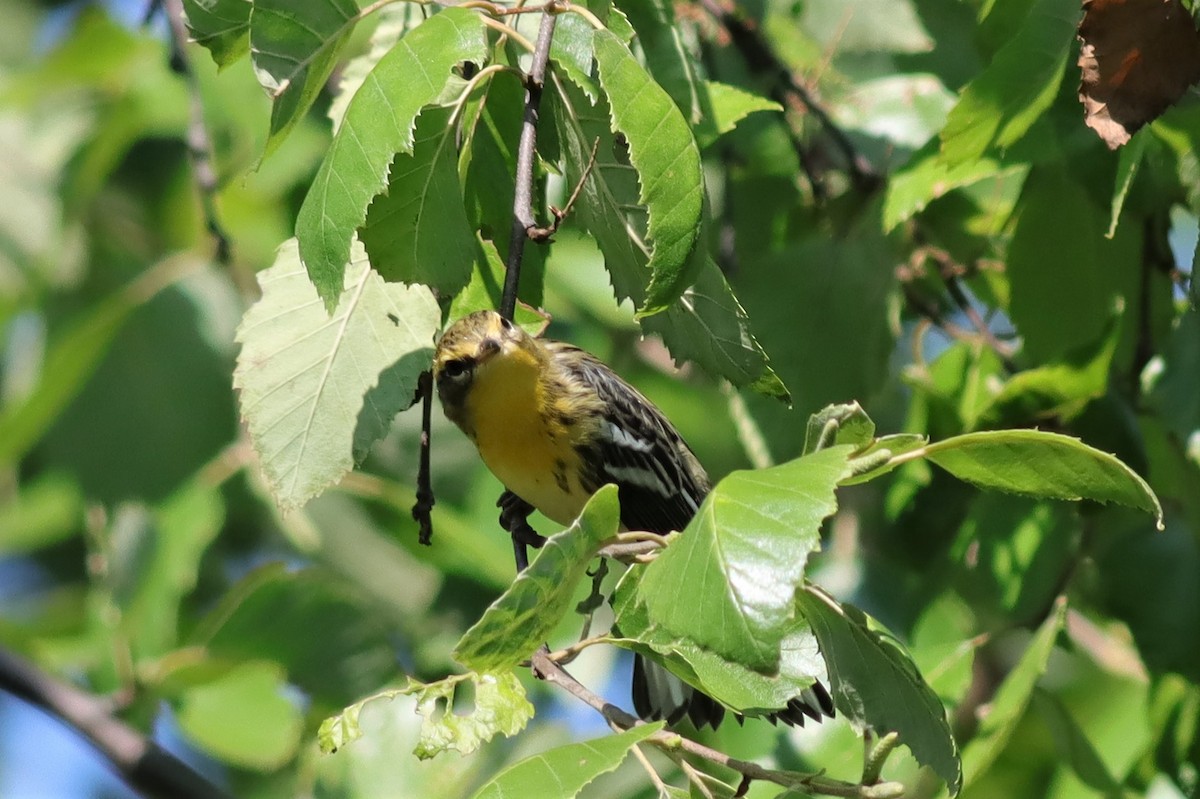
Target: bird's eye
(456, 368)
(506, 323)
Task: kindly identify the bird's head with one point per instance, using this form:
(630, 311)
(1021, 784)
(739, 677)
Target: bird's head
(471, 349)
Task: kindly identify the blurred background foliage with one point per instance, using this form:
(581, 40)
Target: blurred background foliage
(141, 557)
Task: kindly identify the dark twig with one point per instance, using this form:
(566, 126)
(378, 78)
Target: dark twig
(423, 508)
(523, 221)
(199, 143)
(545, 668)
(142, 764)
(760, 58)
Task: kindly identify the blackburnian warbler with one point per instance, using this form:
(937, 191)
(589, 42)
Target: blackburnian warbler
(554, 424)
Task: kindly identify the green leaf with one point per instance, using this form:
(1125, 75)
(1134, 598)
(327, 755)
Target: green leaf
(72, 358)
(47, 510)
(243, 717)
(1128, 161)
(839, 424)
(318, 391)
(1001, 715)
(562, 772)
(998, 107)
(1058, 389)
(417, 232)
(571, 51)
(319, 630)
(521, 619)
(667, 56)
(500, 706)
(875, 683)
(729, 682)
(392, 22)
(294, 47)
(743, 556)
(708, 326)
(927, 176)
(1073, 745)
(1040, 464)
(723, 107)
(379, 123)
(221, 26)
(667, 160)
(1062, 271)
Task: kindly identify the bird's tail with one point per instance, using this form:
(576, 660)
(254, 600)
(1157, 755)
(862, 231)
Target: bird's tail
(659, 694)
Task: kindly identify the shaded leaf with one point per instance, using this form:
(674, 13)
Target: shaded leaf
(294, 47)
(561, 773)
(1073, 745)
(1138, 57)
(723, 107)
(666, 55)
(220, 26)
(998, 107)
(1127, 168)
(998, 719)
(378, 124)
(519, 621)
(875, 682)
(744, 554)
(318, 391)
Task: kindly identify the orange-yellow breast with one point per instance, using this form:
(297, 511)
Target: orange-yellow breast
(531, 452)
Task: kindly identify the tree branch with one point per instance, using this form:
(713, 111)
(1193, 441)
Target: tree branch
(142, 764)
(545, 668)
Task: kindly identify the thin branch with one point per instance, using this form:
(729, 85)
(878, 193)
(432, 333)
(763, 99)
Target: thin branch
(746, 37)
(523, 220)
(541, 234)
(544, 668)
(200, 147)
(142, 764)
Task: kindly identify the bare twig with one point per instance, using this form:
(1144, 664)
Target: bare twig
(199, 144)
(523, 220)
(791, 93)
(541, 234)
(141, 763)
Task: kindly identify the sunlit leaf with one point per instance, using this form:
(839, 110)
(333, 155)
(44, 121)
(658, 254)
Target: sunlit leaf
(562, 772)
(318, 391)
(744, 556)
(378, 124)
(500, 707)
(519, 621)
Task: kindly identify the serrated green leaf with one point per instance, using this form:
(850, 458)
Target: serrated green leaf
(220, 26)
(1040, 464)
(392, 22)
(417, 232)
(243, 717)
(998, 107)
(667, 56)
(562, 772)
(317, 391)
(999, 721)
(667, 160)
(500, 706)
(294, 47)
(707, 324)
(519, 621)
(723, 107)
(379, 123)
(744, 556)
(874, 682)
(571, 51)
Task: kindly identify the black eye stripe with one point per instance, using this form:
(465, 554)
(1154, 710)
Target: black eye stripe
(456, 367)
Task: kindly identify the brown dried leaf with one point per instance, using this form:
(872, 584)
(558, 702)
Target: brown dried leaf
(1138, 57)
